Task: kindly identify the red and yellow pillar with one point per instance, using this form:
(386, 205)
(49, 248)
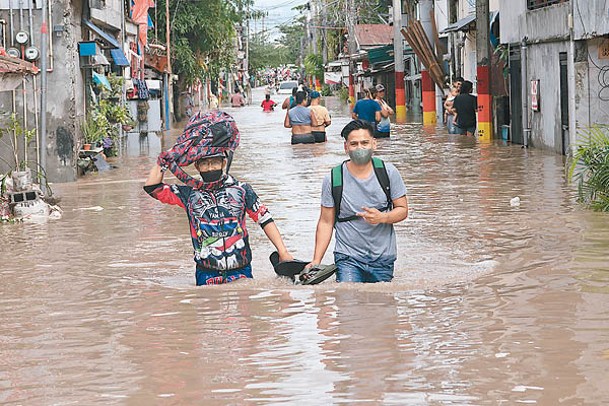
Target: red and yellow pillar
(485, 103)
(400, 98)
(429, 99)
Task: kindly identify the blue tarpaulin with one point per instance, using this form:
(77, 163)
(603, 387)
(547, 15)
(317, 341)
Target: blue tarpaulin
(101, 80)
(119, 57)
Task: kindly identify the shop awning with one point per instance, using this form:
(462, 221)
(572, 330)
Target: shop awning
(461, 25)
(465, 24)
(119, 57)
(109, 39)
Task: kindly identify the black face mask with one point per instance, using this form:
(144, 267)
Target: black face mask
(211, 176)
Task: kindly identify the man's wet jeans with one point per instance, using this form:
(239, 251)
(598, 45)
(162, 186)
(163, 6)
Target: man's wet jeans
(211, 277)
(352, 270)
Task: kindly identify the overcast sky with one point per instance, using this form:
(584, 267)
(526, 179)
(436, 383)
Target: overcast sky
(279, 12)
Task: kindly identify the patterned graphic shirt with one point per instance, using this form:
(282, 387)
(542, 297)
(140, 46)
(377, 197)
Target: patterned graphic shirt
(217, 220)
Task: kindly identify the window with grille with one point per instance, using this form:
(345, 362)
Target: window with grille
(535, 4)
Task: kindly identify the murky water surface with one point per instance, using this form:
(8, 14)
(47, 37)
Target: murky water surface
(491, 304)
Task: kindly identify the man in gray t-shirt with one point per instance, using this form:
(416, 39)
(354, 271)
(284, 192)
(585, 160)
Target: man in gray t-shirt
(365, 248)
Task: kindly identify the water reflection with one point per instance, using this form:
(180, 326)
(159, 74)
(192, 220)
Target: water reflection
(491, 304)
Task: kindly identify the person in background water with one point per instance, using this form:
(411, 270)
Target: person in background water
(298, 119)
(365, 249)
(383, 127)
(290, 102)
(213, 101)
(267, 104)
(320, 117)
(367, 109)
(237, 99)
(449, 112)
(466, 106)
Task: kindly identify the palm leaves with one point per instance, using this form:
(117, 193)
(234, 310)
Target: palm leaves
(589, 168)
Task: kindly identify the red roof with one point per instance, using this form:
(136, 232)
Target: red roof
(370, 35)
(16, 65)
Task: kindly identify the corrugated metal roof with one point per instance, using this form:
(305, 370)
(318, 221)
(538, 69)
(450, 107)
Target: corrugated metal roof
(370, 35)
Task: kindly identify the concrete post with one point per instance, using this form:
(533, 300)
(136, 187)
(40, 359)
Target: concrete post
(483, 59)
(398, 51)
(427, 85)
(43, 93)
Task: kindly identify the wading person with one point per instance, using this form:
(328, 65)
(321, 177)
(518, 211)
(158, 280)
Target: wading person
(383, 128)
(237, 99)
(367, 109)
(361, 200)
(465, 106)
(216, 205)
(298, 119)
(320, 118)
(267, 104)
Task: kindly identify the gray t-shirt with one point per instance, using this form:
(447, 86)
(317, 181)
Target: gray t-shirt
(358, 239)
(300, 115)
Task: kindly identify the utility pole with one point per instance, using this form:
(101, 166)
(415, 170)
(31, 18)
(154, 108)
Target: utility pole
(168, 87)
(350, 20)
(428, 87)
(324, 44)
(398, 52)
(44, 32)
(483, 71)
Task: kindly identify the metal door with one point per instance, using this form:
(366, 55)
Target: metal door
(564, 104)
(516, 97)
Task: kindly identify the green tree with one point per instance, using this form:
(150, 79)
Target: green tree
(202, 34)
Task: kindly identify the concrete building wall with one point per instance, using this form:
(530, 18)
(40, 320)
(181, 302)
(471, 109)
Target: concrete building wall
(544, 24)
(543, 64)
(65, 105)
(592, 91)
(590, 18)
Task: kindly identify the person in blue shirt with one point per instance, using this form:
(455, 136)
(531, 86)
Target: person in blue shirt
(367, 109)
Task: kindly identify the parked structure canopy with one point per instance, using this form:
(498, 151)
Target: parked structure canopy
(109, 39)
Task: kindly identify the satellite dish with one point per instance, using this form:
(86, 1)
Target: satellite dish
(22, 37)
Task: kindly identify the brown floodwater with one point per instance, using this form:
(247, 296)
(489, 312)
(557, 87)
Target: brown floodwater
(492, 304)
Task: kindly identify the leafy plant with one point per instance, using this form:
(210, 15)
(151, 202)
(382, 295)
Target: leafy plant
(115, 112)
(314, 65)
(94, 128)
(15, 131)
(589, 168)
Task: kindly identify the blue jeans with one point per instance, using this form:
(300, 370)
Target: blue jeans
(353, 270)
(212, 277)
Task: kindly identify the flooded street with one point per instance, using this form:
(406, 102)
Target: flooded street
(491, 303)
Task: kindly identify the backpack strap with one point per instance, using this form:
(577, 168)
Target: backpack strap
(336, 178)
(383, 177)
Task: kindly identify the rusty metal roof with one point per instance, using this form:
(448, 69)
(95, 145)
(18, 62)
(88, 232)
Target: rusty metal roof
(373, 35)
(9, 64)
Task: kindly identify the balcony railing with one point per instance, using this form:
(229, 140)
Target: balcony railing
(535, 4)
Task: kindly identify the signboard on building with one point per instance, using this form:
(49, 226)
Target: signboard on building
(535, 95)
(603, 49)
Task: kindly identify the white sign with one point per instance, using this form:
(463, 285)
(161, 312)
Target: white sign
(535, 95)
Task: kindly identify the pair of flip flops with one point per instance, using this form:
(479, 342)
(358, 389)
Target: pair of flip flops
(295, 270)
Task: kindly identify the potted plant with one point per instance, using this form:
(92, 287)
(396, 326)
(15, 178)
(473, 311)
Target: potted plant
(21, 175)
(94, 129)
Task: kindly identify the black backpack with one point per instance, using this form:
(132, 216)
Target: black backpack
(336, 178)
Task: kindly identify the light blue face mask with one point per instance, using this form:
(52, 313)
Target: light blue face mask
(360, 156)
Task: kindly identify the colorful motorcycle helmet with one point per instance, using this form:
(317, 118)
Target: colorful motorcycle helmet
(207, 134)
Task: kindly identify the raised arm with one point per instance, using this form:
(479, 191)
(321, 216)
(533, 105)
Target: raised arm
(155, 176)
